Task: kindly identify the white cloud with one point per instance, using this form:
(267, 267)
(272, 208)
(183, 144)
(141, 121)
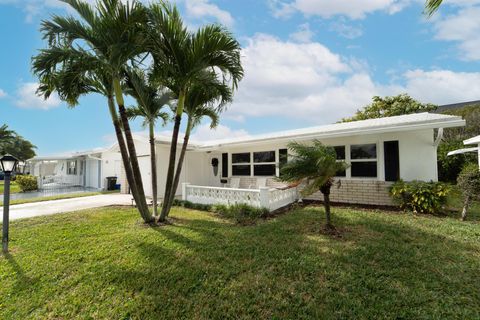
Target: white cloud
(357, 9)
(205, 133)
(309, 82)
(203, 8)
(462, 27)
(27, 98)
(303, 34)
(346, 30)
(3, 94)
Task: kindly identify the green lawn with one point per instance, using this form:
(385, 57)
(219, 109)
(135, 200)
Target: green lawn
(455, 201)
(14, 188)
(105, 264)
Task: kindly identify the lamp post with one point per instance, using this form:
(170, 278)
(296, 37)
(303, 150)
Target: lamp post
(8, 164)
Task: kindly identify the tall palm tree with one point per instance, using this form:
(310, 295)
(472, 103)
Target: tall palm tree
(89, 55)
(181, 59)
(431, 6)
(315, 165)
(205, 99)
(151, 101)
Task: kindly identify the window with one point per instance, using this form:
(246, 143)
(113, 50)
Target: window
(241, 164)
(264, 163)
(340, 152)
(224, 165)
(363, 158)
(72, 167)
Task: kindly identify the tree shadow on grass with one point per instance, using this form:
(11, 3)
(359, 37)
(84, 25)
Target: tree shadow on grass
(283, 269)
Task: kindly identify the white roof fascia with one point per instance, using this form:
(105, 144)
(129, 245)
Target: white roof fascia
(473, 140)
(461, 151)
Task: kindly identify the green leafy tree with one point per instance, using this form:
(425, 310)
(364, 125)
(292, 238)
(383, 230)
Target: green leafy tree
(14, 144)
(205, 99)
(151, 101)
(315, 166)
(87, 55)
(469, 183)
(390, 106)
(181, 59)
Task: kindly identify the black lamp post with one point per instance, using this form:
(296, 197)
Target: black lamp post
(8, 164)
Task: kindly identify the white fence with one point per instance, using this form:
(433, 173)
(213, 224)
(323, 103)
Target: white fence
(269, 198)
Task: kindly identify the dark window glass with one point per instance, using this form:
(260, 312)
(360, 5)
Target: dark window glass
(364, 169)
(363, 151)
(241, 157)
(392, 160)
(72, 167)
(224, 165)
(340, 151)
(267, 156)
(341, 173)
(283, 158)
(264, 170)
(241, 170)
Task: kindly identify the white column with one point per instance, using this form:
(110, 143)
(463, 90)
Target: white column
(184, 190)
(479, 156)
(265, 197)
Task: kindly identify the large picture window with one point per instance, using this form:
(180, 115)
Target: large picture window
(241, 164)
(72, 167)
(363, 158)
(262, 163)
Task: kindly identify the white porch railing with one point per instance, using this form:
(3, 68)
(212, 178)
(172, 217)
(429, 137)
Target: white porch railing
(269, 198)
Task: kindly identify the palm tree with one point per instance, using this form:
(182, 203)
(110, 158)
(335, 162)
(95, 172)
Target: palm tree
(431, 6)
(205, 99)
(315, 165)
(181, 59)
(150, 102)
(89, 55)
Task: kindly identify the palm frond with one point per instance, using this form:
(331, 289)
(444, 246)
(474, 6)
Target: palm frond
(431, 6)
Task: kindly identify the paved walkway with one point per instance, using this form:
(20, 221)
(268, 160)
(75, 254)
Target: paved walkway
(44, 208)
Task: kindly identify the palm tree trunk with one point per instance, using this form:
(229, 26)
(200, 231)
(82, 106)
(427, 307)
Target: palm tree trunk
(466, 204)
(325, 189)
(176, 180)
(153, 163)
(137, 177)
(171, 162)
(123, 148)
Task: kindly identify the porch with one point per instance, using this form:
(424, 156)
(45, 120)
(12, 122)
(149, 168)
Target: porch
(269, 197)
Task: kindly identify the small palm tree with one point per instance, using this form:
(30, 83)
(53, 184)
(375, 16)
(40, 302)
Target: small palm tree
(205, 99)
(315, 166)
(151, 101)
(181, 59)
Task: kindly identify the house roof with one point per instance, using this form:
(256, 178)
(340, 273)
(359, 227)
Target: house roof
(474, 140)
(371, 126)
(462, 151)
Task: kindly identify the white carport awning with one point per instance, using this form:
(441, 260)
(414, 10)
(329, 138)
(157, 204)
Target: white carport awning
(461, 151)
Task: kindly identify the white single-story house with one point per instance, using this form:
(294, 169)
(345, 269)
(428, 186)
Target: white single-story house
(379, 152)
(87, 169)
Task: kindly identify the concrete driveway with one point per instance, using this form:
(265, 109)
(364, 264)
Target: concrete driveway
(44, 208)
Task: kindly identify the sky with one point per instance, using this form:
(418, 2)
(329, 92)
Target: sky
(307, 63)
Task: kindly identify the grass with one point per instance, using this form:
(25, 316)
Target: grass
(105, 264)
(59, 197)
(455, 201)
(14, 188)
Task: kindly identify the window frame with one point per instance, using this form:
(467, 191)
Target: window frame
(253, 164)
(72, 171)
(364, 160)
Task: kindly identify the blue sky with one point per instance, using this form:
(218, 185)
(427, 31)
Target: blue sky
(307, 62)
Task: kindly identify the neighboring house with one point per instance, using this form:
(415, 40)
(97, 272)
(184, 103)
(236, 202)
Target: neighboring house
(379, 152)
(87, 169)
(471, 141)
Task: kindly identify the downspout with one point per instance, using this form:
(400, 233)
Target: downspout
(439, 138)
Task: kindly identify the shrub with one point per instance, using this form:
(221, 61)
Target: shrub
(469, 183)
(27, 182)
(241, 213)
(420, 196)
